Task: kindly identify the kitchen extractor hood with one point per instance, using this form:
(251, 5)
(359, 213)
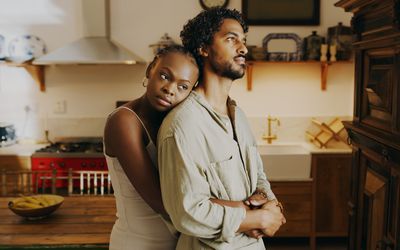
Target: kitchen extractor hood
(93, 48)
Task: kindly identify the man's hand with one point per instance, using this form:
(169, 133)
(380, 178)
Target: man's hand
(256, 201)
(255, 233)
(273, 218)
(273, 205)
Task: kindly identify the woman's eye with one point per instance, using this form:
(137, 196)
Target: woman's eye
(183, 87)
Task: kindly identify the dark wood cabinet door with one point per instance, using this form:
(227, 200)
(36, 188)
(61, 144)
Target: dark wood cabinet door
(354, 190)
(331, 173)
(392, 238)
(374, 208)
(373, 203)
(379, 99)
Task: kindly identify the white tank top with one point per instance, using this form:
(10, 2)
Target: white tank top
(137, 226)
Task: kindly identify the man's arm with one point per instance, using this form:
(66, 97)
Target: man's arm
(258, 223)
(186, 196)
(263, 185)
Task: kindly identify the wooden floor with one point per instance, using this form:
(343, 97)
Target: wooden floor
(303, 244)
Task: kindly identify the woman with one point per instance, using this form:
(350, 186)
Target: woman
(129, 138)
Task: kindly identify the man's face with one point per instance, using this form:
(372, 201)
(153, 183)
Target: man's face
(227, 51)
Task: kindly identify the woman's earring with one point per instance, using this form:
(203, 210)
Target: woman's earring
(145, 82)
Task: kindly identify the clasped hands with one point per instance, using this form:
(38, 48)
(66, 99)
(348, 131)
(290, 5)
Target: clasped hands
(274, 218)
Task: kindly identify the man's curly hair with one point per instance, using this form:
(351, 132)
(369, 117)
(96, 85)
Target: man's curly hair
(200, 30)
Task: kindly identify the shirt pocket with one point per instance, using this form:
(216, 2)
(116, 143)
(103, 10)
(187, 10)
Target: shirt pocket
(217, 172)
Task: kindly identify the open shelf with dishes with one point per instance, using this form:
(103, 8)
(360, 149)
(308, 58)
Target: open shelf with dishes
(324, 69)
(36, 71)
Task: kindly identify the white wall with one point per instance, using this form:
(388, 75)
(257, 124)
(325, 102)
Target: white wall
(91, 91)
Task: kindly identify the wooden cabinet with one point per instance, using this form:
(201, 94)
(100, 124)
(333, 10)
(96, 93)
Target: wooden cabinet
(317, 207)
(375, 130)
(296, 196)
(331, 174)
(375, 191)
(375, 196)
(379, 83)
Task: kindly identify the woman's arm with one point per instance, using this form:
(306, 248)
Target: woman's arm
(124, 138)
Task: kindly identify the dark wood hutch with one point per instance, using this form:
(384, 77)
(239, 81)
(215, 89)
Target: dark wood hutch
(374, 133)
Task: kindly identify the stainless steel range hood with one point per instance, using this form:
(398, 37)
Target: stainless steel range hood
(93, 48)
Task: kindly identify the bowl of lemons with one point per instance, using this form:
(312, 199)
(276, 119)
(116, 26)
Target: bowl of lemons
(35, 206)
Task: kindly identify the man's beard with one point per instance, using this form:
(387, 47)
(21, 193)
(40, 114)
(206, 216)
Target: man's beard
(227, 70)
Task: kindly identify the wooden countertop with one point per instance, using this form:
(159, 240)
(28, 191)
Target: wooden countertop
(80, 221)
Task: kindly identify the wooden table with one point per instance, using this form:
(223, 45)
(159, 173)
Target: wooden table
(80, 222)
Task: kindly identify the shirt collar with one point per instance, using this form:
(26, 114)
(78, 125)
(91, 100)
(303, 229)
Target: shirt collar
(215, 115)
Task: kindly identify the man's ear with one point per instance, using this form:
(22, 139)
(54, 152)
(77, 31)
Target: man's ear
(203, 51)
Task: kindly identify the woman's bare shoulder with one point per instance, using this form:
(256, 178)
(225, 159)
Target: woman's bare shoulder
(122, 128)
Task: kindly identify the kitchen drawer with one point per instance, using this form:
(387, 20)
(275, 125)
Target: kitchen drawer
(296, 197)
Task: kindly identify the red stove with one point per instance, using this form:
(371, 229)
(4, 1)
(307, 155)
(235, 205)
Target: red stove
(70, 153)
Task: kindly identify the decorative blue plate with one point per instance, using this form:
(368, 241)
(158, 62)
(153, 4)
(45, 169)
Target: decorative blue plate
(26, 46)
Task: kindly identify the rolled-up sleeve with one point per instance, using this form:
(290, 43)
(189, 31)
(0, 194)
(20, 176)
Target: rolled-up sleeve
(262, 182)
(186, 195)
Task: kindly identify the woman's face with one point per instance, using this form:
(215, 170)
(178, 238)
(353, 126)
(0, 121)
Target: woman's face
(170, 80)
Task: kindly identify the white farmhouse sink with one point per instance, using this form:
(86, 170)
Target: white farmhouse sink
(286, 161)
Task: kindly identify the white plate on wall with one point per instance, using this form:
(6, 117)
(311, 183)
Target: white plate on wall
(26, 46)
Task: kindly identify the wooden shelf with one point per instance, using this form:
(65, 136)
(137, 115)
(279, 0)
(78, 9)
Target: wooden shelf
(36, 71)
(324, 70)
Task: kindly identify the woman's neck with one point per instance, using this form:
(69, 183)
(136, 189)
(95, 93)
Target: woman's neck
(149, 115)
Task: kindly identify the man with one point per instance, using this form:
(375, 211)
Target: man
(207, 155)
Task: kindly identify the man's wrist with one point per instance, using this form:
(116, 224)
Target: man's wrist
(246, 207)
(261, 192)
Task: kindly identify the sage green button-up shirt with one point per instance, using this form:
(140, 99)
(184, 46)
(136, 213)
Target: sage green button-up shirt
(199, 160)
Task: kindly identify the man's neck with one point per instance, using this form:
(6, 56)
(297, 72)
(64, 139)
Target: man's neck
(215, 90)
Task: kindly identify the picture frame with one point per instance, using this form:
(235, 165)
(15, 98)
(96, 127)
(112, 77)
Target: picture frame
(281, 12)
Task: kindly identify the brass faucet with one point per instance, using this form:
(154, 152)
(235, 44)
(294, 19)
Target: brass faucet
(269, 137)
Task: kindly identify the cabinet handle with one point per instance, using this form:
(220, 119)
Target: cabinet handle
(385, 155)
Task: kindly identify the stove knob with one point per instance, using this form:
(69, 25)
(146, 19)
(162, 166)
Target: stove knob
(92, 164)
(83, 164)
(61, 164)
(52, 164)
